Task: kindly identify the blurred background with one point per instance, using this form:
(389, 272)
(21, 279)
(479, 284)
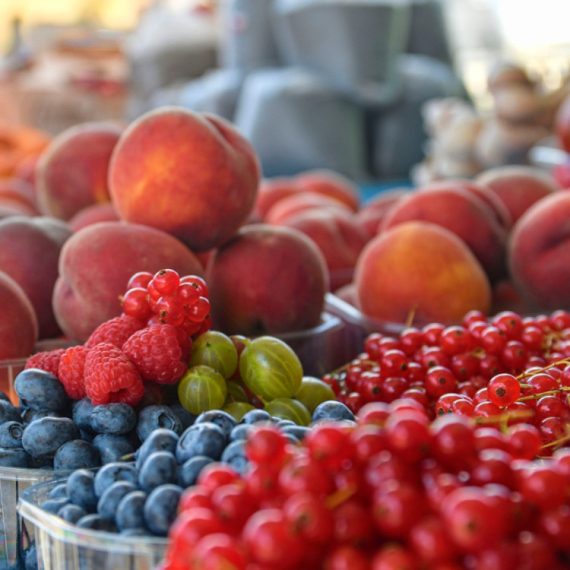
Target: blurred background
(379, 90)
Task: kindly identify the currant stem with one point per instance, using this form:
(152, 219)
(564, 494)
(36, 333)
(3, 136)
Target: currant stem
(340, 496)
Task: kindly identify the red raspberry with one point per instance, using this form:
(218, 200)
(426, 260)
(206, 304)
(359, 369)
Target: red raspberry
(71, 371)
(111, 377)
(115, 332)
(156, 354)
(48, 361)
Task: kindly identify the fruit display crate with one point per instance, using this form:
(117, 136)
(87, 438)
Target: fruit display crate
(357, 326)
(17, 535)
(61, 546)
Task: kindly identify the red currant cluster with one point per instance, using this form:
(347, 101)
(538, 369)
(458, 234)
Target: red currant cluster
(166, 298)
(394, 492)
(507, 370)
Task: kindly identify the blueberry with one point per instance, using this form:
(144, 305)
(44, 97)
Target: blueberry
(113, 495)
(234, 456)
(220, 418)
(186, 418)
(113, 472)
(283, 423)
(332, 410)
(29, 415)
(71, 513)
(188, 474)
(81, 491)
(97, 522)
(154, 417)
(135, 533)
(292, 439)
(112, 448)
(130, 512)
(298, 431)
(9, 413)
(76, 454)
(11, 434)
(40, 390)
(201, 439)
(14, 458)
(161, 507)
(42, 438)
(4, 397)
(240, 432)
(53, 505)
(59, 491)
(254, 416)
(116, 419)
(31, 561)
(158, 469)
(159, 440)
(81, 414)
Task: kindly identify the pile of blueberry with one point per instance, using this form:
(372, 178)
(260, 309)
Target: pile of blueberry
(48, 430)
(140, 498)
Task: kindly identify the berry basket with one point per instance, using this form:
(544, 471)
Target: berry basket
(16, 536)
(357, 326)
(318, 347)
(61, 546)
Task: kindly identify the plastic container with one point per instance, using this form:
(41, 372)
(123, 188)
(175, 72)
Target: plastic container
(357, 326)
(317, 348)
(16, 535)
(61, 546)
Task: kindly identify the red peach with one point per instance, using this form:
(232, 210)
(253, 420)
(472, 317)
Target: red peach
(29, 253)
(375, 210)
(294, 205)
(330, 184)
(187, 174)
(518, 187)
(339, 237)
(18, 325)
(423, 267)
(17, 190)
(96, 263)
(72, 172)
(93, 215)
(267, 280)
(462, 213)
(539, 253)
(272, 191)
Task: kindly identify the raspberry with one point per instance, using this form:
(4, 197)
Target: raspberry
(71, 371)
(48, 361)
(111, 377)
(115, 332)
(156, 354)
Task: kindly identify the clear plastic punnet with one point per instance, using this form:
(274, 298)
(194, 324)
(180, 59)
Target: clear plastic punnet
(62, 546)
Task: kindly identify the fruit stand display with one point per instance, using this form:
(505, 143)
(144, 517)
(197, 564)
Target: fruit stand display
(251, 374)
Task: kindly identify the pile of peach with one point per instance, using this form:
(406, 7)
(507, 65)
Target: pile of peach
(180, 190)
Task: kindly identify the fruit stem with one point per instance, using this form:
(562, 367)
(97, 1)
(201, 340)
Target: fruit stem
(340, 496)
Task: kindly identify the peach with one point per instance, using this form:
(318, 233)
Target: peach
(29, 253)
(294, 205)
(267, 280)
(188, 174)
(18, 325)
(518, 187)
(272, 191)
(339, 237)
(423, 267)
(20, 191)
(539, 253)
(93, 215)
(498, 208)
(462, 213)
(562, 124)
(375, 210)
(332, 184)
(72, 173)
(96, 264)
(9, 209)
